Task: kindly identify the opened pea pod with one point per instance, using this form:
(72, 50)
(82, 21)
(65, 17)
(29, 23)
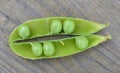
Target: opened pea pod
(55, 37)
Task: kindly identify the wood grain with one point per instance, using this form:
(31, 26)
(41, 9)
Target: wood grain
(104, 58)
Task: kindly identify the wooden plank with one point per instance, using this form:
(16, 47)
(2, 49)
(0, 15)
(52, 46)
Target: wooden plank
(104, 58)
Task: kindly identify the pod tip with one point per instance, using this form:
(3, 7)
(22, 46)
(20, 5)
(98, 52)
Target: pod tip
(109, 37)
(107, 24)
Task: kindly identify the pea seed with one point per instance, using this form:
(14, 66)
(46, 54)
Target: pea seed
(24, 31)
(36, 48)
(56, 26)
(81, 42)
(48, 48)
(68, 26)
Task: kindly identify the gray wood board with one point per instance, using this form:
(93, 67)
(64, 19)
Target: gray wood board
(104, 58)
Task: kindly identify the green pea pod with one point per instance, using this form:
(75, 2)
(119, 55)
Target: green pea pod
(69, 47)
(55, 47)
(42, 27)
(36, 48)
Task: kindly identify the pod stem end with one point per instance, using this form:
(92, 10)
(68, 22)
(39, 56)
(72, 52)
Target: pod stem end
(107, 24)
(109, 37)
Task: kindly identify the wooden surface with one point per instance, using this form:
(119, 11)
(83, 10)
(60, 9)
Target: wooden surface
(104, 58)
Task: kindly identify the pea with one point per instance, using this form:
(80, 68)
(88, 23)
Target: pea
(48, 48)
(24, 31)
(81, 42)
(68, 26)
(36, 48)
(56, 26)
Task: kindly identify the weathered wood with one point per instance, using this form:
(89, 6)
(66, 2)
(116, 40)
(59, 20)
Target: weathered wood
(104, 58)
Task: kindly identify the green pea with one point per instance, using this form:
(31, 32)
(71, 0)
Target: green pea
(56, 26)
(68, 26)
(48, 48)
(36, 48)
(81, 42)
(24, 31)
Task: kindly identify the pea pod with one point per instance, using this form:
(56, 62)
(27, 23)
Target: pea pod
(83, 31)
(42, 27)
(67, 49)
